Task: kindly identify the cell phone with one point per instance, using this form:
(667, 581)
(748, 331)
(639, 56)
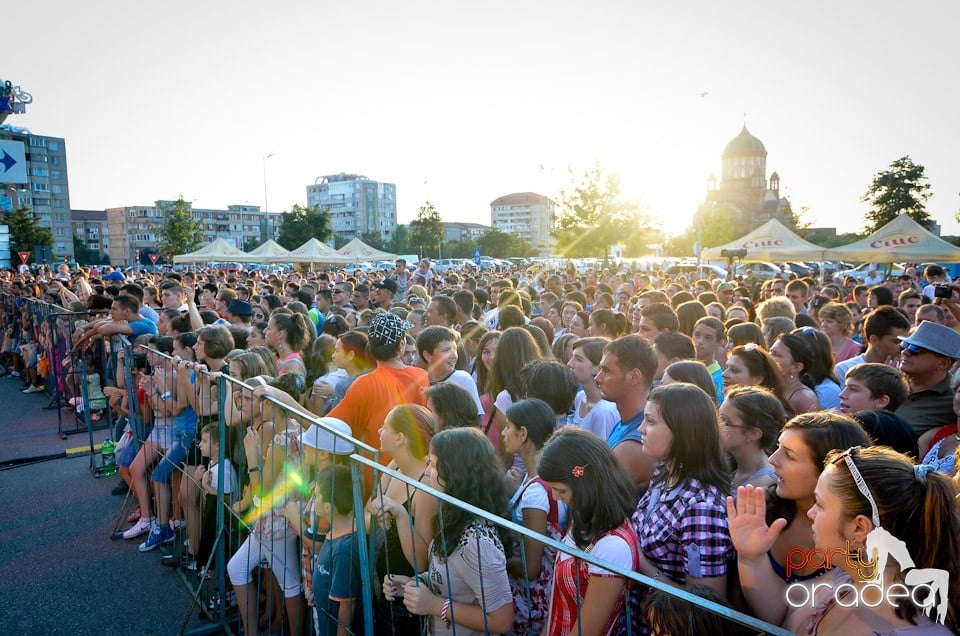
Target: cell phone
(942, 291)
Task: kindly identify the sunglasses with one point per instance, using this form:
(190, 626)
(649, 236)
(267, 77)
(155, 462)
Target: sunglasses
(912, 348)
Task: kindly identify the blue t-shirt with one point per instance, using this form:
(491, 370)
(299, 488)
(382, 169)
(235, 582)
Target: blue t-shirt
(143, 326)
(716, 374)
(149, 313)
(828, 393)
(626, 431)
(336, 579)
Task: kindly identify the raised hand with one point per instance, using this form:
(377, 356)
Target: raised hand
(751, 535)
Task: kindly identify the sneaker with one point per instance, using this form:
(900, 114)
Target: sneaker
(160, 533)
(14, 374)
(138, 528)
(33, 389)
(120, 489)
(176, 524)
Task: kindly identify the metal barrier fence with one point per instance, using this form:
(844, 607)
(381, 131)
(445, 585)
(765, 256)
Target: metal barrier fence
(38, 336)
(252, 541)
(725, 612)
(260, 525)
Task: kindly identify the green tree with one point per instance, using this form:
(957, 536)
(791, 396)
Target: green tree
(594, 215)
(86, 256)
(426, 231)
(25, 232)
(459, 249)
(398, 243)
(717, 230)
(301, 224)
(250, 243)
(180, 232)
(903, 187)
(833, 241)
(498, 244)
(374, 239)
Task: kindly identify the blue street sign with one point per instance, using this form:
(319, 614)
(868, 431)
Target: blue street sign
(13, 164)
(476, 256)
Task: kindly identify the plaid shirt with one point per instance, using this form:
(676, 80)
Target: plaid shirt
(684, 533)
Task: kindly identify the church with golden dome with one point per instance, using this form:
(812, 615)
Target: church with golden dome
(745, 196)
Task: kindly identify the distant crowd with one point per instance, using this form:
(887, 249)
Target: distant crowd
(699, 431)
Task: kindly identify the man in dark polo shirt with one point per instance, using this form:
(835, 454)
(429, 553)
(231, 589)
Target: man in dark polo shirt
(926, 357)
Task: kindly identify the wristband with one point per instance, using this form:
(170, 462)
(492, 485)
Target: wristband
(445, 613)
(254, 469)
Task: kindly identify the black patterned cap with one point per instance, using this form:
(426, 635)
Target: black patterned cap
(388, 328)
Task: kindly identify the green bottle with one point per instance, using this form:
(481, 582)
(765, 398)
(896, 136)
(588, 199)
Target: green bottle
(108, 464)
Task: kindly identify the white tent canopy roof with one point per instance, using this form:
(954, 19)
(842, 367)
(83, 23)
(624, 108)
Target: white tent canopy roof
(902, 239)
(772, 241)
(356, 250)
(269, 252)
(216, 250)
(314, 251)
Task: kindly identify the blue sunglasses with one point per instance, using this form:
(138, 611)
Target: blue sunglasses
(912, 348)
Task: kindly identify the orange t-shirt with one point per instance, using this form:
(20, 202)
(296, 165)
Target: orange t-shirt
(373, 395)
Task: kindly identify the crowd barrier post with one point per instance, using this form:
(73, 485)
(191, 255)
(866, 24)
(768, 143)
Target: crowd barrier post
(51, 330)
(364, 546)
(714, 608)
(221, 552)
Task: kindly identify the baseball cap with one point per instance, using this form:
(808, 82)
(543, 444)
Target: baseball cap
(387, 283)
(323, 437)
(388, 328)
(239, 307)
(727, 286)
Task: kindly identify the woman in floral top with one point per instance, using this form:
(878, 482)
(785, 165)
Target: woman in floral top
(681, 521)
(583, 473)
(466, 583)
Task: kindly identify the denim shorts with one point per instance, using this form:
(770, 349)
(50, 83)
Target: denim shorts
(173, 458)
(127, 454)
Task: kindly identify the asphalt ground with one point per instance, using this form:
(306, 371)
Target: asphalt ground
(60, 571)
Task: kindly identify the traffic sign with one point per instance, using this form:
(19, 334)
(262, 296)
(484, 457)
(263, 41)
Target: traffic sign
(24, 257)
(476, 256)
(13, 164)
(154, 258)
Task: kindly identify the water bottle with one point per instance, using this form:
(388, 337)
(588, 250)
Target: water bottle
(108, 463)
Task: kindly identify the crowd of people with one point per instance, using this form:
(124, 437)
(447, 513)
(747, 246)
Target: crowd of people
(703, 433)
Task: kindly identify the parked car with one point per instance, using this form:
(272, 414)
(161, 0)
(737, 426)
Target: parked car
(762, 270)
(863, 270)
(800, 269)
(691, 269)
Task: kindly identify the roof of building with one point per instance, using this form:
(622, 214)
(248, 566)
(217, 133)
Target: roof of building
(745, 144)
(88, 215)
(457, 225)
(520, 197)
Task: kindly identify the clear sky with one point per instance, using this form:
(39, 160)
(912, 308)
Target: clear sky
(463, 102)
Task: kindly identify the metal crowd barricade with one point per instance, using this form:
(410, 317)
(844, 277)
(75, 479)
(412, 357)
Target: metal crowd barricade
(222, 539)
(259, 522)
(46, 330)
(359, 463)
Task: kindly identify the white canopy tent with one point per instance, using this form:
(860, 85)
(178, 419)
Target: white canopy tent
(356, 250)
(216, 250)
(902, 239)
(314, 251)
(268, 253)
(772, 241)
